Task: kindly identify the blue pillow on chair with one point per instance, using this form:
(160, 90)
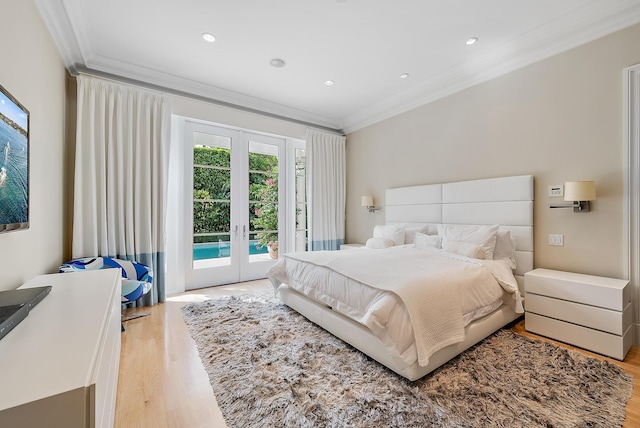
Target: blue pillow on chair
(137, 278)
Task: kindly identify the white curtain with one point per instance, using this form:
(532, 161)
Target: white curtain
(326, 169)
(120, 176)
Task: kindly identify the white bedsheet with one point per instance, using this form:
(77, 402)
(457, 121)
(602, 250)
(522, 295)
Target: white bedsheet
(363, 285)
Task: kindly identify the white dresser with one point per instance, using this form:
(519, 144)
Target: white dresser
(590, 312)
(59, 366)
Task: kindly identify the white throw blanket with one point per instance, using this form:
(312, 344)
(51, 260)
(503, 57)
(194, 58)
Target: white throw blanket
(426, 281)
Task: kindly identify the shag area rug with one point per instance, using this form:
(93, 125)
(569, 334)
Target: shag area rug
(271, 367)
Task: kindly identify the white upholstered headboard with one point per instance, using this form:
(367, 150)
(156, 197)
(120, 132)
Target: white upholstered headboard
(506, 201)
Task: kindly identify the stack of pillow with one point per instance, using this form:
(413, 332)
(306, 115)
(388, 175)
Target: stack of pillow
(478, 242)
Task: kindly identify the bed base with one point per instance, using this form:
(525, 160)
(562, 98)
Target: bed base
(362, 339)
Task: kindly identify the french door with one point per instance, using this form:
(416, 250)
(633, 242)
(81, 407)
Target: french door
(235, 216)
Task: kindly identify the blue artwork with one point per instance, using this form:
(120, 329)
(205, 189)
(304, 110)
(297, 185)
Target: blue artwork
(14, 163)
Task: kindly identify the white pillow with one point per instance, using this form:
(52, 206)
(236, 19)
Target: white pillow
(505, 248)
(394, 232)
(432, 229)
(483, 236)
(422, 240)
(379, 243)
(466, 249)
(410, 232)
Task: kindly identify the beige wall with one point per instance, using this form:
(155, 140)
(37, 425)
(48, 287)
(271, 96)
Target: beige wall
(33, 73)
(559, 120)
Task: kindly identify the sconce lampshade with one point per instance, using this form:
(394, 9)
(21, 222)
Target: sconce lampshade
(580, 190)
(367, 201)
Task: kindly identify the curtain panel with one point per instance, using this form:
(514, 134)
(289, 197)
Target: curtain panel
(326, 169)
(120, 184)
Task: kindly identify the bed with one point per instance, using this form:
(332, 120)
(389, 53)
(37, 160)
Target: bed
(405, 342)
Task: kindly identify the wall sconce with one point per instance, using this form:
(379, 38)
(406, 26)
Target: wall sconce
(367, 201)
(580, 193)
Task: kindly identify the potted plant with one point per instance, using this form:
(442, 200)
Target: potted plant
(272, 247)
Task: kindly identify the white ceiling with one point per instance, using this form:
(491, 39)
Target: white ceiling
(362, 45)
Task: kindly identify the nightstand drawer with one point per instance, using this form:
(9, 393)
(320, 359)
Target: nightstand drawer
(609, 321)
(591, 290)
(583, 337)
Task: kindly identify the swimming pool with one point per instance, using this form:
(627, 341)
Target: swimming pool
(215, 250)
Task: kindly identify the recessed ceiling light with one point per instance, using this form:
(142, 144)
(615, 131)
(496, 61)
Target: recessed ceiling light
(471, 40)
(404, 75)
(209, 37)
(277, 63)
(329, 82)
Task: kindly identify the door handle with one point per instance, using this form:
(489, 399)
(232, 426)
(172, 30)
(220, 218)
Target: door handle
(235, 232)
(244, 231)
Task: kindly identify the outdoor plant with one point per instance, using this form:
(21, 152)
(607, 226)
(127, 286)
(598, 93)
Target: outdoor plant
(212, 187)
(266, 212)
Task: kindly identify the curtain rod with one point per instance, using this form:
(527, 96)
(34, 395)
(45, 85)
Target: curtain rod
(76, 70)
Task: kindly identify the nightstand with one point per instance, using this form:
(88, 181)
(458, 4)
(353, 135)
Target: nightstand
(590, 312)
(351, 246)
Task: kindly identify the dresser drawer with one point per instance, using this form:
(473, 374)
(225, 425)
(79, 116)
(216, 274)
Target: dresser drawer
(607, 320)
(583, 337)
(608, 293)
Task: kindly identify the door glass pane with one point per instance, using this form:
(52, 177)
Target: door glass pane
(301, 200)
(211, 200)
(263, 201)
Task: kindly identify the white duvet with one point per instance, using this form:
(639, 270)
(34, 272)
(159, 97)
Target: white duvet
(416, 301)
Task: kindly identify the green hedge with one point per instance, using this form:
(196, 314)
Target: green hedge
(210, 184)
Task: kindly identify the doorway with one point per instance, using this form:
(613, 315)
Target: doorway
(235, 204)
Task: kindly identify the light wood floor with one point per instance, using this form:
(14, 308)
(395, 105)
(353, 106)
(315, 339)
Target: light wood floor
(162, 382)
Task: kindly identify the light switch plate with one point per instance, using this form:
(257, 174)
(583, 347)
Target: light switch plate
(557, 240)
(557, 190)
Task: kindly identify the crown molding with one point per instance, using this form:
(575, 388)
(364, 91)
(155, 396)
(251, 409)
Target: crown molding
(79, 57)
(594, 20)
(194, 89)
(161, 82)
(587, 24)
(69, 29)
(55, 16)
